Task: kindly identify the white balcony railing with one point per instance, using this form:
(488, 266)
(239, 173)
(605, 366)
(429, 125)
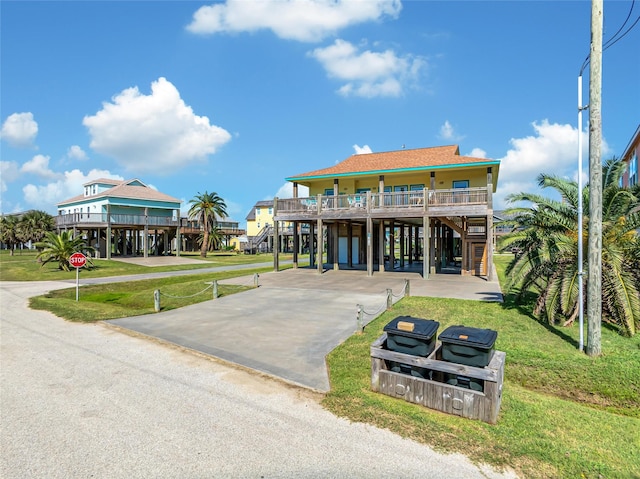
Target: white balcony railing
(79, 219)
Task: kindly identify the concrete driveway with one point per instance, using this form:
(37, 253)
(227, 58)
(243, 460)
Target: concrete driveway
(287, 326)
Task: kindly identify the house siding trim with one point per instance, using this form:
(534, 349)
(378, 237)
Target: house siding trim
(396, 170)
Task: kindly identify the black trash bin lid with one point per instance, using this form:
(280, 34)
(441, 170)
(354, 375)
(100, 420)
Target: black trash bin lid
(412, 327)
(474, 337)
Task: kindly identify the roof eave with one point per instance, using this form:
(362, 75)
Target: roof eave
(395, 170)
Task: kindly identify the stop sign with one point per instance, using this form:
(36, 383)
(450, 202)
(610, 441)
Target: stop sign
(77, 260)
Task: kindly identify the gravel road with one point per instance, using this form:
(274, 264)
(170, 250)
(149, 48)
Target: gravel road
(85, 401)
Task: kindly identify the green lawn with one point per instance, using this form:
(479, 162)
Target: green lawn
(134, 298)
(563, 414)
(22, 266)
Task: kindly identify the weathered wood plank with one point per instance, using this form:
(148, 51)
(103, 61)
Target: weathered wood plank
(435, 394)
(451, 368)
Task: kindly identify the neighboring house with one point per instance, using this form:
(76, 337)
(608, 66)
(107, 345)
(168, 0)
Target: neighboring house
(630, 156)
(239, 243)
(260, 229)
(128, 218)
(122, 217)
(190, 231)
(377, 208)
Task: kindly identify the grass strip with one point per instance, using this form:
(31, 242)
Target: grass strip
(135, 298)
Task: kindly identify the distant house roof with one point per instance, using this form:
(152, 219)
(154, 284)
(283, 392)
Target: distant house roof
(104, 181)
(130, 189)
(397, 161)
(633, 143)
(252, 213)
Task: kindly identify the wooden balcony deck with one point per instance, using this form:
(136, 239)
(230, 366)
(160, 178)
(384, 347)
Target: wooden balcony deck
(405, 204)
(102, 220)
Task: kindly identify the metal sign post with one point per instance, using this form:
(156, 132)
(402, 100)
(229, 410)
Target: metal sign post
(77, 260)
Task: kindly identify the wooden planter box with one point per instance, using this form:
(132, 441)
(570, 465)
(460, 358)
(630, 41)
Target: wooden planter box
(437, 394)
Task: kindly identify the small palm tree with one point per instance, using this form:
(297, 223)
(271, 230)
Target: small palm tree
(60, 247)
(215, 239)
(206, 208)
(546, 233)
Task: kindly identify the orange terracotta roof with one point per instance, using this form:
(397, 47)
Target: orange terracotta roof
(421, 158)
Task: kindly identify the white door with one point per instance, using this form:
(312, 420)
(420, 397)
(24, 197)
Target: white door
(342, 249)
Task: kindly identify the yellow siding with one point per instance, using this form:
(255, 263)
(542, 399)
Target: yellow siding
(443, 180)
(264, 217)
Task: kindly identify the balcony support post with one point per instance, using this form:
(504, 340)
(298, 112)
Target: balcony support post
(108, 232)
(319, 262)
(427, 247)
(402, 249)
(145, 240)
(296, 244)
(350, 244)
(335, 246)
(312, 250)
(381, 238)
(276, 244)
(489, 228)
(369, 246)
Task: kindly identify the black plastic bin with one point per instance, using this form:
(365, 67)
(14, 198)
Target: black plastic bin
(469, 346)
(414, 336)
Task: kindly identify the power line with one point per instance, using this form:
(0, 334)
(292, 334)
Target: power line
(613, 40)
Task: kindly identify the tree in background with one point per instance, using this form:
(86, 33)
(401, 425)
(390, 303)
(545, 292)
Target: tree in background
(24, 228)
(207, 208)
(60, 247)
(9, 233)
(215, 239)
(34, 225)
(546, 233)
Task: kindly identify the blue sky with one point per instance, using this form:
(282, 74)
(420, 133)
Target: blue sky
(235, 96)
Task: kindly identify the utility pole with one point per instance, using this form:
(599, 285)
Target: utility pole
(594, 280)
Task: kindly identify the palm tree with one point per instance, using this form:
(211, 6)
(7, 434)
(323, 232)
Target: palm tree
(35, 224)
(215, 238)
(546, 234)
(206, 208)
(59, 247)
(9, 233)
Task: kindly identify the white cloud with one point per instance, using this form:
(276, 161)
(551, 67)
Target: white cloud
(234, 210)
(69, 184)
(19, 129)
(286, 191)
(153, 133)
(447, 132)
(9, 172)
(77, 153)
(39, 166)
(301, 20)
(361, 150)
(477, 153)
(552, 150)
(368, 74)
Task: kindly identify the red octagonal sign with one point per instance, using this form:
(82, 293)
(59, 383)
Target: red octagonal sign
(77, 260)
